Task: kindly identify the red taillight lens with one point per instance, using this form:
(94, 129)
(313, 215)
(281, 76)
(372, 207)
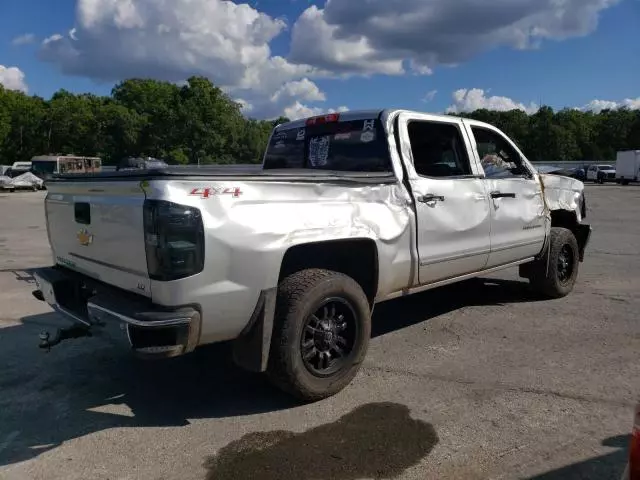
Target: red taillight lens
(329, 118)
(174, 240)
(634, 448)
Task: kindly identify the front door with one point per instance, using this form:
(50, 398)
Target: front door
(518, 219)
(451, 203)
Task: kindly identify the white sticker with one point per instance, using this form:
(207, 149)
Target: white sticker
(300, 135)
(342, 136)
(319, 151)
(369, 125)
(367, 137)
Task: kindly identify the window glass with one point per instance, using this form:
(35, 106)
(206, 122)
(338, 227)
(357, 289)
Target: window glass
(351, 146)
(497, 157)
(438, 150)
(43, 166)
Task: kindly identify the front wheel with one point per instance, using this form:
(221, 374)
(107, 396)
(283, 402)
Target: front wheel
(320, 334)
(555, 274)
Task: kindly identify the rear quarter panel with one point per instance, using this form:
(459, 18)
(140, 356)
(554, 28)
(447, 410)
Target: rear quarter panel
(250, 225)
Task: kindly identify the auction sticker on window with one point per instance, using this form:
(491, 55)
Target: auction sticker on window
(319, 151)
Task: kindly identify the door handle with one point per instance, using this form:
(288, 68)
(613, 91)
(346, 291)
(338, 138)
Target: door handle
(430, 197)
(502, 195)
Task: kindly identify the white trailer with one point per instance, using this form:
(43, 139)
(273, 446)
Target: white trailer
(628, 167)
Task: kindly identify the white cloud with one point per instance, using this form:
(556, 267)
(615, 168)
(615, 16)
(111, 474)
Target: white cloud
(598, 105)
(315, 42)
(298, 110)
(12, 78)
(26, 39)
(468, 100)
(287, 98)
(174, 39)
(390, 36)
(429, 96)
(304, 89)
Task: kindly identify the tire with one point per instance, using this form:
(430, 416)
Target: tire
(563, 260)
(301, 296)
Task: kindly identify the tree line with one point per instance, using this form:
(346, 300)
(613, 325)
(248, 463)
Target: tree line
(198, 123)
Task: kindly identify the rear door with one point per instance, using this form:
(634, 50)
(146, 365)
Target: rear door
(452, 206)
(97, 229)
(518, 215)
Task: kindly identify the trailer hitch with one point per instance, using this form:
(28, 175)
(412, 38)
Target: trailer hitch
(61, 334)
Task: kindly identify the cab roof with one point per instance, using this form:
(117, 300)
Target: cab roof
(351, 115)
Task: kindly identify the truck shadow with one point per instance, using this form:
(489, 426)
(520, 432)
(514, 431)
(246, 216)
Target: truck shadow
(90, 385)
(21, 275)
(405, 312)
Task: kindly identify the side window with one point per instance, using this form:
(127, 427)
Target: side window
(438, 150)
(498, 158)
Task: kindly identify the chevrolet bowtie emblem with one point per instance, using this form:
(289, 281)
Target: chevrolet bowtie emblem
(84, 237)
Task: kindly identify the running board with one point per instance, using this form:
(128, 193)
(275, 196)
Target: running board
(423, 288)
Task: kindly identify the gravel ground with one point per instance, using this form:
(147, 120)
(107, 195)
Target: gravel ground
(473, 381)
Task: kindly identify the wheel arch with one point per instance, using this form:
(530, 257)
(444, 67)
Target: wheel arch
(355, 257)
(569, 219)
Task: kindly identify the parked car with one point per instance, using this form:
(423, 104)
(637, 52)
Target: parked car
(601, 173)
(5, 184)
(136, 163)
(287, 261)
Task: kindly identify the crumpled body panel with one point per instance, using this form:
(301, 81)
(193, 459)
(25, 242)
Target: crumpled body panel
(249, 226)
(563, 193)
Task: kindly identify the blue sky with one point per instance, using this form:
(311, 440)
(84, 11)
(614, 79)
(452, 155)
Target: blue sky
(344, 54)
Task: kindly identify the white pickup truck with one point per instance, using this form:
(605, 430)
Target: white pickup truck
(288, 259)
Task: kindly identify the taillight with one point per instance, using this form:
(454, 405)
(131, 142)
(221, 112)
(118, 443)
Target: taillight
(634, 448)
(174, 240)
(321, 119)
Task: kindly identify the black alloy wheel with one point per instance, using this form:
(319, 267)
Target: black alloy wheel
(565, 263)
(328, 337)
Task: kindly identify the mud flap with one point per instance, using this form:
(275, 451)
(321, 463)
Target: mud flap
(251, 348)
(583, 235)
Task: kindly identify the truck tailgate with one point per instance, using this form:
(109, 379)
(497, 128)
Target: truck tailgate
(97, 229)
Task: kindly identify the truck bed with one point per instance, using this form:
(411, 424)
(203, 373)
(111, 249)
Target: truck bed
(246, 172)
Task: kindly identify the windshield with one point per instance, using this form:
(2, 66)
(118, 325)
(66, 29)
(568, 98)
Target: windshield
(605, 167)
(353, 146)
(44, 166)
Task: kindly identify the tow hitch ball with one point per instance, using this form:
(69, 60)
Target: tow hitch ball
(76, 331)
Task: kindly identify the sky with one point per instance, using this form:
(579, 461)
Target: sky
(304, 57)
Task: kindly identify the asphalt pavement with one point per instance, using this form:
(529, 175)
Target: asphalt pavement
(478, 380)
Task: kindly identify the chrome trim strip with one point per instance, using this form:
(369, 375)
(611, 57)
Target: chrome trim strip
(64, 312)
(140, 323)
(456, 257)
(518, 245)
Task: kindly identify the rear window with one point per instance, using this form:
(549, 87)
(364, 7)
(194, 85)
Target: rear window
(353, 146)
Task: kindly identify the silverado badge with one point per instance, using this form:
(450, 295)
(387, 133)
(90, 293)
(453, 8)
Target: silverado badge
(84, 237)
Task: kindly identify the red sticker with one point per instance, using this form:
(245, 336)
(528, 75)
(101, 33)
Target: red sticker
(213, 191)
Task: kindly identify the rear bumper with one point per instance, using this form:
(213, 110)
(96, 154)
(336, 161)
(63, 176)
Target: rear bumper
(152, 330)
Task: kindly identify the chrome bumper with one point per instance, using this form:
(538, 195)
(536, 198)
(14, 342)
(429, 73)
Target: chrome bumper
(152, 330)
